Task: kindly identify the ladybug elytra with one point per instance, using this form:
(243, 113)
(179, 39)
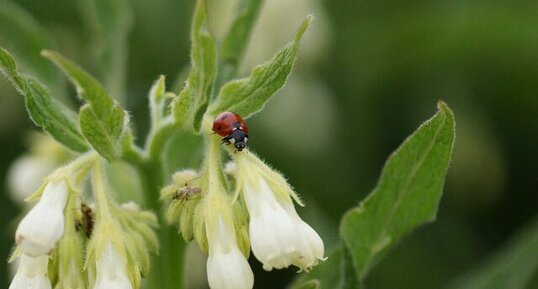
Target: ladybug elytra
(233, 128)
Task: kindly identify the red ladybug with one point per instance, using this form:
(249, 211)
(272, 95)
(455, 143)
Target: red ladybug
(233, 128)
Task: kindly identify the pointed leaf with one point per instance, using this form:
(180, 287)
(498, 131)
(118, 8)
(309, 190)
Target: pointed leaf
(45, 111)
(102, 120)
(236, 39)
(248, 96)
(192, 101)
(109, 23)
(406, 196)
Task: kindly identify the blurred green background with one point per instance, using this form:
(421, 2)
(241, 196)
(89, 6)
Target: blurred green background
(369, 72)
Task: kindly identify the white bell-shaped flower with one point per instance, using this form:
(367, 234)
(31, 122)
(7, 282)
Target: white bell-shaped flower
(111, 270)
(41, 229)
(278, 236)
(32, 273)
(227, 268)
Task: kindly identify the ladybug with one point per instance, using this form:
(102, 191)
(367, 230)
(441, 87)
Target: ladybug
(233, 128)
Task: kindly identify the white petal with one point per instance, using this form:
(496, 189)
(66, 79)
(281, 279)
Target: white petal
(227, 268)
(41, 229)
(111, 270)
(122, 283)
(229, 271)
(31, 274)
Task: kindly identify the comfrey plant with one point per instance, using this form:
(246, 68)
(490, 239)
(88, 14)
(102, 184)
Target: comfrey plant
(89, 229)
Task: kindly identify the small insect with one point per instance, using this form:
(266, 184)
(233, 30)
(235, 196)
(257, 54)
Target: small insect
(233, 128)
(86, 223)
(185, 193)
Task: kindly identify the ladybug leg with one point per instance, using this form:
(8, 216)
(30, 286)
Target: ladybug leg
(226, 140)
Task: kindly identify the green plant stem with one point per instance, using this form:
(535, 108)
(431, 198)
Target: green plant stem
(99, 189)
(167, 267)
(158, 140)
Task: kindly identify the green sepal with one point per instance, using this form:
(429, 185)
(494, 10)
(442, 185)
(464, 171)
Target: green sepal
(45, 111)
(103, 122)
(248, 95)
(178, 209)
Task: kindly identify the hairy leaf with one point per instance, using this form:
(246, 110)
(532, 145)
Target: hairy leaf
(406, 196)
(102, 120)
(236, 39)
(248, 96)
(513, 267)
(45, 111)
(25, 37)
(109, 23)
(192, 101)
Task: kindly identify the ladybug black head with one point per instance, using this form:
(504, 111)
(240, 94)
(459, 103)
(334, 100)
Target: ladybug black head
(240, 145)
(239, 139)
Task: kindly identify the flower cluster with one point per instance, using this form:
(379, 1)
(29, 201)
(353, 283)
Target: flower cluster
(260, 216)
(103, 247)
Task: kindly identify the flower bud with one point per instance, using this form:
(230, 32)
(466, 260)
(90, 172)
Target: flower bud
(41, 229)
(32, 273)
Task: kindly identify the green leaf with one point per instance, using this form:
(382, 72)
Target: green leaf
(310, 284)
(236, 39)
(102, 120)
(335, 273)
(190, 105)
(109, 23)
(248, 96)
(156, 101)
(45, 111)
(25, 37)
(406, 196)
(513, 267)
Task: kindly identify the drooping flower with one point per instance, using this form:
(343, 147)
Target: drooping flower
(111, 270)
(279, 237)
(227, 268)
(69, 254)
(31, 273)
(41, 229)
